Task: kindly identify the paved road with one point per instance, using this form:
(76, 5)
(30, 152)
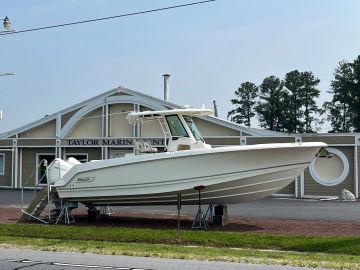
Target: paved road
(11, 259)
(266, 208)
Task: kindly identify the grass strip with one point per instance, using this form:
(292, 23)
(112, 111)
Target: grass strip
(310, 244)
(187, 252)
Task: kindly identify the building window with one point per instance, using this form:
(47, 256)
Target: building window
(118, 153)
(41, 173)
(330, 171)
(80, 157)
(176, 127)
(2, 164)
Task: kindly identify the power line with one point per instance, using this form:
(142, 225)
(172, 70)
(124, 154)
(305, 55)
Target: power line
(106, 18)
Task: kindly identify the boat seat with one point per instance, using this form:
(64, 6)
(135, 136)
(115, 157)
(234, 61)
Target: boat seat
(143, 147)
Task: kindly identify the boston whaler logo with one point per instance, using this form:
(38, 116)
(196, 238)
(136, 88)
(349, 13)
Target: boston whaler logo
(85, 179)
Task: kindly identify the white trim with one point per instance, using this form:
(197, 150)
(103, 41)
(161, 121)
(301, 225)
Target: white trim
(302, 185)
(107, 129)
(3, 169)
(37, 146)
(340, 144)
(107, 120)
(12, 168)
(71, 123)
(282, 195)
(320, 197)
(58, 148)
(356, 172)
(296, 186)
(16, 166)
(137, 125)
(58, 125)
(330, 134)
(21, 165)
(37, 138)
(248, 130)
(102, 128)
(337, 180)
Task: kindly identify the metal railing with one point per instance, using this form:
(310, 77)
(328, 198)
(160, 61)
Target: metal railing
(36, 185)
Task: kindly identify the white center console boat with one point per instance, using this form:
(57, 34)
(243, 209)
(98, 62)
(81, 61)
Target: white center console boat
(154, 176)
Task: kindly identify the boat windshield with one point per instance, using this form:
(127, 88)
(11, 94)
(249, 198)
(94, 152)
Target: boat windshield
(192, 126)
(176, 127)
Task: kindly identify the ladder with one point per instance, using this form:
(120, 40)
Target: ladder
(37, 206)
(165, 129)
(40, 200)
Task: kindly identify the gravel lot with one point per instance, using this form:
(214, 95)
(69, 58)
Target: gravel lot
(275, 216)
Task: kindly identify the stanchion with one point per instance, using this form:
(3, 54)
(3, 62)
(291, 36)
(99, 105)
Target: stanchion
(200, 220)
(178, 217)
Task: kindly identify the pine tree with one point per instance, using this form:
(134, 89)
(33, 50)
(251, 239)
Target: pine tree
(294, 84)
(245, 103)
(270, 106)
(309, 92)
(340, 111)
(354, 86)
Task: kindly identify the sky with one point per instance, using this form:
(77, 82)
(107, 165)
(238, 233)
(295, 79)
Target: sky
(209, 50)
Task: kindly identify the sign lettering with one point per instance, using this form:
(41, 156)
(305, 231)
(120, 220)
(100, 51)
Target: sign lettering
(112, 142)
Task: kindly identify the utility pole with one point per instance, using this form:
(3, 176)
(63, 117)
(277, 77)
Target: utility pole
(7, 28)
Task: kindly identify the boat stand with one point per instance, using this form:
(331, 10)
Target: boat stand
(178, 216)
(107, 210)
(65, 214)
(210, 212)
(200, 222)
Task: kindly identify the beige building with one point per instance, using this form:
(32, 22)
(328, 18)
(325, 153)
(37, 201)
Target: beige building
(97, 129)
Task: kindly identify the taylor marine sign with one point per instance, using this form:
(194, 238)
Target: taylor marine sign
(112, 142)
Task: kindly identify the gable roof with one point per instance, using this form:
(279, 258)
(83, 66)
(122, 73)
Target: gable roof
(124, 90)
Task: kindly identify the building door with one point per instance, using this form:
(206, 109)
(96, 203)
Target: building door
(41, 172)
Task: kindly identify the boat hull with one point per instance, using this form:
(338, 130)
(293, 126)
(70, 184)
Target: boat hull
(229, 174)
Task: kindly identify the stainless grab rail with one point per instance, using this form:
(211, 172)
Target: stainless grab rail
(42, 162)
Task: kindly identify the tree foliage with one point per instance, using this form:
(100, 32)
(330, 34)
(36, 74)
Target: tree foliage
(293, 83)
(270, 107)
(244, 102)
(283, 105)
(339, 111)
(343, 111)
(308, 93)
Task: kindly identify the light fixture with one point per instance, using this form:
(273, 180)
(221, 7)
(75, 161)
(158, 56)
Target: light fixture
(7, 25)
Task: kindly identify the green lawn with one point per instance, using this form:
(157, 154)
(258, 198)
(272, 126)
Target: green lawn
(336, 252)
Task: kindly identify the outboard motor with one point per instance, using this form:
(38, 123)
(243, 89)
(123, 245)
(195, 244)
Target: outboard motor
(59, 167)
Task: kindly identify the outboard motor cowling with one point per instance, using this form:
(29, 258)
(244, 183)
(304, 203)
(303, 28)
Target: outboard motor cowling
(59, 167)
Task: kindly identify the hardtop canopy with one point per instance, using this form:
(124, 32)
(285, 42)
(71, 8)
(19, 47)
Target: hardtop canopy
(151, 115)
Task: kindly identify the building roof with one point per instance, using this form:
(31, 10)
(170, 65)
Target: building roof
(126, 91)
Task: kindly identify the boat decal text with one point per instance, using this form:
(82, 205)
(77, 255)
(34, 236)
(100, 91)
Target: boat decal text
(85, 179)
